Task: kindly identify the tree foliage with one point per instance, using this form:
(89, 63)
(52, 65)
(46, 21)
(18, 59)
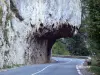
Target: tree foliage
(92, 20)
(59, 48)
(77, 46)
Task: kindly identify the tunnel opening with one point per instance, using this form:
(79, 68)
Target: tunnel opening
(60, 48)
(42, 40)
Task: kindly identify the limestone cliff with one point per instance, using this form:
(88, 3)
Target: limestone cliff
(29, 28)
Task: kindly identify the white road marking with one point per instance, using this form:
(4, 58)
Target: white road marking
(41, 70)
(69, 61)
(49, 66)
(78, 70)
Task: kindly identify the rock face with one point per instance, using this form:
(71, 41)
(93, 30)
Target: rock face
(29, 28)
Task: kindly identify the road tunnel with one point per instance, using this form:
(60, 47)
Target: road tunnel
(45, 38)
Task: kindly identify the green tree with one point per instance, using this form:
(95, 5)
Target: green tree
(92, 20)
(77, 46)
(59, 48)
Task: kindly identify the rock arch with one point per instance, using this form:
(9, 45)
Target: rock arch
(30, 27)
(44, 38)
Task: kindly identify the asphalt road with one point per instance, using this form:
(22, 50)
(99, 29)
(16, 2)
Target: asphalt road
(63, 66)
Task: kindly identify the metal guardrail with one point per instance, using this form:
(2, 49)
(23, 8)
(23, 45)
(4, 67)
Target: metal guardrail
(69, 56)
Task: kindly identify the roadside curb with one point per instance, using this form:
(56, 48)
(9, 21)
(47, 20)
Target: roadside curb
(3, 70)
(78, 69)
(83, 70)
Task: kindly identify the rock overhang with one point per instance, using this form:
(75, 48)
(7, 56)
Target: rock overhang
(50, 12)
(49, 32)
(38, 19)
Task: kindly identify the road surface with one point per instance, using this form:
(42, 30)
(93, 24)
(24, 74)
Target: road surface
(63, 66)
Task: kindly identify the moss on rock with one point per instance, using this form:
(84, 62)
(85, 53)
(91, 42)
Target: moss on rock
(1, 13)
(5, 34)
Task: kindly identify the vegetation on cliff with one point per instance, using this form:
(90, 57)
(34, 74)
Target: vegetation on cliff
(1, 15)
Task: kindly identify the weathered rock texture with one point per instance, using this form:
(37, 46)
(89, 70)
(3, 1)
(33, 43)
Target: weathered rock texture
(29, 28)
